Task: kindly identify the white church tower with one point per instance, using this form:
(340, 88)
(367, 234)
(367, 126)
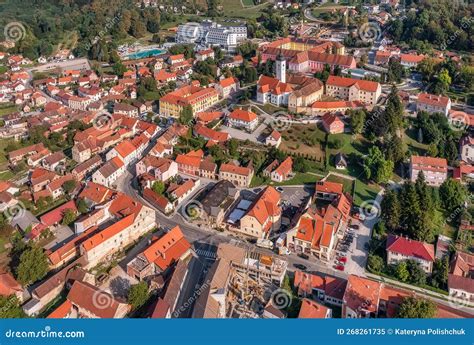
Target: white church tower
(281, 68)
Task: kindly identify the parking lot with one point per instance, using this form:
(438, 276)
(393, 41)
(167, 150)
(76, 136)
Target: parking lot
(344, 248)
(351, 255)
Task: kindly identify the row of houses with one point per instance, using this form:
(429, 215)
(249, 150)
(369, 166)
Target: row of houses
(359, 297)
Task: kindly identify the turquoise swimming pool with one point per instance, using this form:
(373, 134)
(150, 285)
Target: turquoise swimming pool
(146, 53)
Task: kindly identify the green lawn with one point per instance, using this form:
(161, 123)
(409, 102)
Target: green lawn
(3, 144)
(233, 8)
(8, 110)
(258, 181)
(247, 3)
(306, 140)
(358, 144)
(364, 192)
(410, 139)
(2, 244)
(6, 175)
(299, 179)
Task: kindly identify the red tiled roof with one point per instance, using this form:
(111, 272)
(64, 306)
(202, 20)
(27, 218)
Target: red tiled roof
(429, 163)
(243, 115)
(188, 94)
(362, 294)
(89, 298)
(312, 310)
(410, 248)
(366, 85)
(125, 148)
(266, 206)
(329, 118)
(275, 135)
(411, 58)
(234, 169)
(56, 215)
(211, 134)
(62, 311)
(208, 116)
(96, 193)
(426, 98)
(329, 187)
(285, 167)
(163, 75)
(228, 82)
(108, 232)
(167, 249)
(8, 284)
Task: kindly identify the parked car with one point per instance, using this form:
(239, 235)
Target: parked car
(340, 268)
(359, 216)
(279, 189)
(300, 267)
(343, 259)
(303, 256)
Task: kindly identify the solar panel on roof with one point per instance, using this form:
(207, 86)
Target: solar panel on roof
(235, 216)
(244, 204)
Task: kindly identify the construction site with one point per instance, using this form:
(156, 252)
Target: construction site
(241, 283)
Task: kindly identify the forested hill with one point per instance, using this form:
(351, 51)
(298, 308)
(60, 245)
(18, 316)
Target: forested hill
(77, 23)
(435, 24)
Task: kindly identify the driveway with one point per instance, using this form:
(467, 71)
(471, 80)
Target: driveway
(357, 254)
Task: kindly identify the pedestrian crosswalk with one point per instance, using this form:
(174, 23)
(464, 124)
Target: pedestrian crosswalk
(206, 253)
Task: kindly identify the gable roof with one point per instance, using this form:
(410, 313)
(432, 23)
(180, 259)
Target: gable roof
(228, 82)
(365, 85)
(265, 206)
(312, 310)
(434, 100)
(167, 249)
(243, 115)
(234, 169)
(410, 248)
(8, 284)
(87, 296)
(362, 294)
